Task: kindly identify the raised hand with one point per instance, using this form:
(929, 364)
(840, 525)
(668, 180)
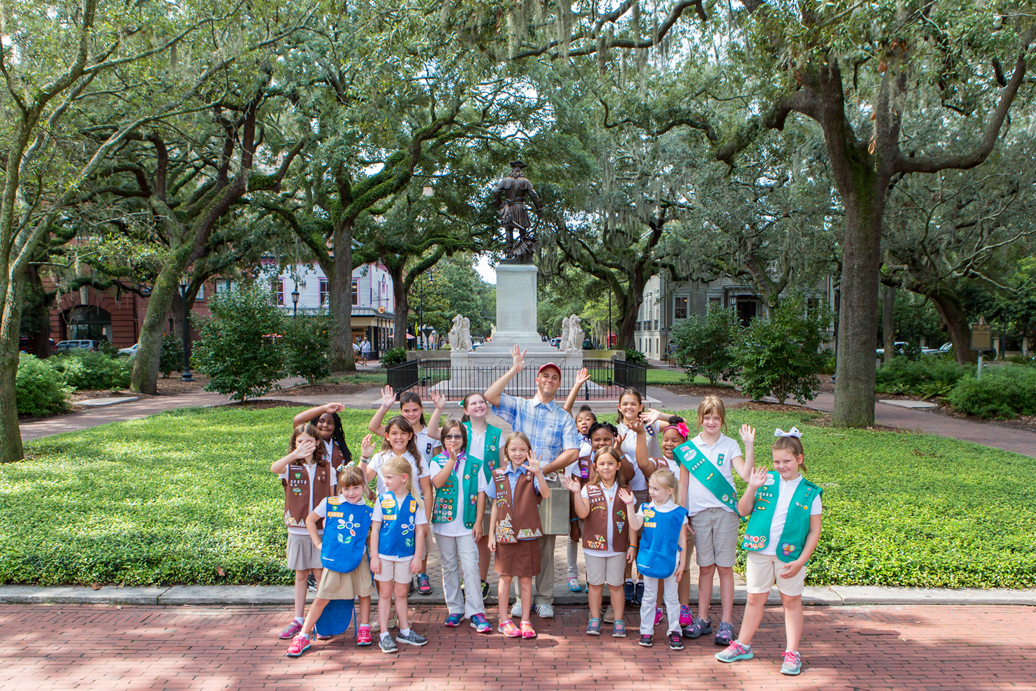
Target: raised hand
(757, 478)
(748, 435)
(626, 497)
(518, 358)
(304, 449)
(367, 446)
(570, 483)
(438, 399)
(388, 397)
(583, 377)
(637, 427)
(334, 408)
(533, 464)
(650, 416)
(618, 442)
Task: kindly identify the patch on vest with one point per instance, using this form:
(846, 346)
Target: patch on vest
(754, 542)
(787, 548)
(505, 531)
(598, 542)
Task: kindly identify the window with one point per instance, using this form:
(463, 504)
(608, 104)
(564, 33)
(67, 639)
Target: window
(680, 308)
(277, 288)
(714, 302)
(636, 327)
(201, 292)
(812, 306)
(656, 325)
(356, 292)
(325, 297)
(223, 285)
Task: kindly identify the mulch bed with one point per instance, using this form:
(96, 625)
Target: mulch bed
(329, 389)
(263, 404)
(700, 390)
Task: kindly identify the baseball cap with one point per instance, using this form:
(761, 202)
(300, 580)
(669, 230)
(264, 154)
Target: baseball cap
(549, 364)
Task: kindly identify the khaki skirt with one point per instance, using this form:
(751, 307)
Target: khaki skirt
(518, 559)
(346, 586)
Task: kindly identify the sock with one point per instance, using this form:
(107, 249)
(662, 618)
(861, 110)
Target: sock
(384, 636)
(300, 620)
(404, 632)
(629, 581)
(365, 626)
(303, 634)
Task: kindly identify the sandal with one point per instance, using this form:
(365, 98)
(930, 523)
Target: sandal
(509, 629)
(527, 630)
(594, 627)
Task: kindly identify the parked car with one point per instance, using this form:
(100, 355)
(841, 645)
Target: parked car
(944, 348)
(67, 346)
(28, 345)
(131, 351)
(900, 345)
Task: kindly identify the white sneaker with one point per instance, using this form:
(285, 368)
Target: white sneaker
(516, 610)
(545, 611)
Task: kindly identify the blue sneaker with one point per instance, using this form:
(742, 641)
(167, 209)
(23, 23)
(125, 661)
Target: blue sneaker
(629, 591)
(454, 619)
(792, 663)
(734, 652)
(638, 592)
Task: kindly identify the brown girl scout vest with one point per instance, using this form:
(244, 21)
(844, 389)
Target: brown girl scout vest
(595, 525)
(518, 516)
(296, 493)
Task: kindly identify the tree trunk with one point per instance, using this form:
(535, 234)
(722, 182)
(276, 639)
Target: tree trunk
(401, 305)
(145, 363)
(628, 308)
(954, 320)
(342, 299)
(888, 329)
(39, 311)
(10, 326)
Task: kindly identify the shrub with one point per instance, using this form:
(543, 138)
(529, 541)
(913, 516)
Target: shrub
(307, 342)
(780, 356)
(703, 345)
(239, 348)
(85, 369)
(1003, 392)
(394, 356)
(170, 358)
(38, 389)
(928, 376)
(635, 356)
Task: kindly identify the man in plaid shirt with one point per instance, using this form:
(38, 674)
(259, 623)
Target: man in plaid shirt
(555, 441)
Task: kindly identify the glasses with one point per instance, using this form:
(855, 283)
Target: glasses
(452, 436)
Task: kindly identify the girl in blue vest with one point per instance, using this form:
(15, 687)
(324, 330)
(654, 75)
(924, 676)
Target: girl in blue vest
(784, 516)
(483, 444)
(457, 525)
(398, 528)
(347, 574)
(662, 553)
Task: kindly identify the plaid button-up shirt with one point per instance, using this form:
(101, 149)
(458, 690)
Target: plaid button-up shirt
(550, 429)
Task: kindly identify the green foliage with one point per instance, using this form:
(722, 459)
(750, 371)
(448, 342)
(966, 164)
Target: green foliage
(657, 377)
(635, 356)
(238, 349)
(307, 341)
(926, 376)
(704, 344)
(171, 357)
(1004, 392)
(780, 356)
(395, 356)
(85, 369)
(39, 389)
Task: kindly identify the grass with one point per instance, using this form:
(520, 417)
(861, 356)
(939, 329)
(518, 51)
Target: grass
(172, 498)
(656, 377)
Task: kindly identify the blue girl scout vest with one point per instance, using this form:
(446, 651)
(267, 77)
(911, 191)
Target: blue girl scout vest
(345, 534)
(458, 494)
(796, 525)
(398, 536)
(660, 541)
(492, 446)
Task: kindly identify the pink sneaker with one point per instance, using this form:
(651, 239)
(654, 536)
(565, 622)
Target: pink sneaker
(363, 636)
(686, 615)
(299, 645)
(527, 630)
(658, 615)
(291, 629)
(510, 630)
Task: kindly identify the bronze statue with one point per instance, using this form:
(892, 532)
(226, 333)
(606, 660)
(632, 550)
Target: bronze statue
(510, 196)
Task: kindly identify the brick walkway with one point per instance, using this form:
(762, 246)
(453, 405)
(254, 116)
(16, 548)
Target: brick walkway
(872, 648)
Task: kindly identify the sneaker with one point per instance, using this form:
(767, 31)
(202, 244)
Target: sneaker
(485, 589)
(527, 630)
(300, 644)
(638, 592)
(424, 586)
(453, 620)
(647, 640)
(734, 652)
(629, 591)
(311, 583)
(509, 629)
(413, 638)
(698, 627)
(574, 586)
(658, 616)
(516, 609)
(387, 645)
(594, 627)
(480, 623)
(291, 629)
(544, 611)
(792, 663)
(609, 615)
(724, 633)
(363, 636)
(675, 642)
(686, 616)
(619, 629)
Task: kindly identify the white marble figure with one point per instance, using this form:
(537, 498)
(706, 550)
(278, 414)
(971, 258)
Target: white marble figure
(575, 335)
(454, 334)
(492, 333)
(565, 330)
(464, 338)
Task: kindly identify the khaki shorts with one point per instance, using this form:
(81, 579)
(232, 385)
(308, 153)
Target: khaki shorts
(398, 571)
(764, 569)
(715, 537)
(346, 586)
(605, 570)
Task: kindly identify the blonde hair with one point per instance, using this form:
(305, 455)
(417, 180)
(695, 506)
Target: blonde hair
(712, 404)
(511, 437)
(793, 444)
(401, 466)
(353, 476)
(666, 479)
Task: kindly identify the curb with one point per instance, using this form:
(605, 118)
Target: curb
(246, 595)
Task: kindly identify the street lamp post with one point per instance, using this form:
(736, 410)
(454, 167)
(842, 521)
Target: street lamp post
(186, 375)
(295, 300)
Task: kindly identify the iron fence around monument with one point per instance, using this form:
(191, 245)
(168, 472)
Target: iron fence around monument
(608, 378)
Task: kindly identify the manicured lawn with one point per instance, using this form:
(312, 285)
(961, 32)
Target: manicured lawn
(172, 498)
(376, 377)
(656, 377)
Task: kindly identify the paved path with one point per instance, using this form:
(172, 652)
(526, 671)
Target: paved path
(196, 648)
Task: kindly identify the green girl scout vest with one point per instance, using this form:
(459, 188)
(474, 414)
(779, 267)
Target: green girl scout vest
(447, 502)
(698, 465)
(492, 446)
(796, 525)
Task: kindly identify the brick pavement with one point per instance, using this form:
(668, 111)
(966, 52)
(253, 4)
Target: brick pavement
(851, 648)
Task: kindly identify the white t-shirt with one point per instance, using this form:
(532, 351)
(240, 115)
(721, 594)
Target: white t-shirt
(721, 454)
(609, 496)
(785, 492)
(321, 509)
(379, 459)
(456, 527)
(312, 469)
(629, 446)
(425, 445)
(585, 451)
(664, 508)
(419, 519)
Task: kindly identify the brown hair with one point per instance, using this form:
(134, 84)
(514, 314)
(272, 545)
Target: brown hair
(310, 429)
(411, 445)
(511, 437)
(401, 466)
(411, 397)
(663, 477)
(353, 476)
(629, 391)
(464, 404)
(450, 424)
(595, 479)
(793, 444)
(712, 404)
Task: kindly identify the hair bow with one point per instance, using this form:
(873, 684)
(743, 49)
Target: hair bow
(681, 428)
(793, 432)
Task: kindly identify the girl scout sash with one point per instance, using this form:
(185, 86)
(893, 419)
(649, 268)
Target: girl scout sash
(445, 507)
(703, 470)
(492, 445)
(796, 525)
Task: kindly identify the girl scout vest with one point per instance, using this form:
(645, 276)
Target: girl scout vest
(796, 525)
(703, 470)
(297, 505)
(595, 525)
(517, 516)
(491, 451)
(398, 536)
(345, 534)
(660, 541)
(459, 493)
